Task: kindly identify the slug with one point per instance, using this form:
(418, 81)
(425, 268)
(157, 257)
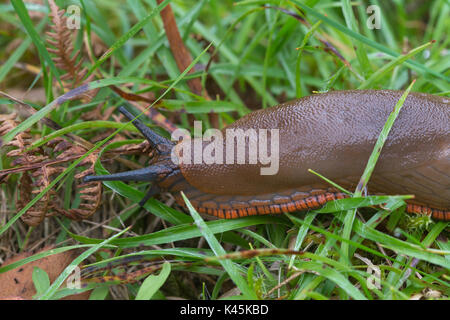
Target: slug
(332, 133)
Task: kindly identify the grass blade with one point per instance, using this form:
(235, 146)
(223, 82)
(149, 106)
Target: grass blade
(152, 283)
(413, 64)
(350, 216)
(71, 267)
(218, 250)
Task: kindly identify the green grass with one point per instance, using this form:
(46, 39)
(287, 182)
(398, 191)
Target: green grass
(262, 57)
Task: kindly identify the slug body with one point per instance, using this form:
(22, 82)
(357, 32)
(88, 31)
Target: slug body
(333, 134)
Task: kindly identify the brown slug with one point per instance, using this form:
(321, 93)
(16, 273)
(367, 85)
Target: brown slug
(332, 133)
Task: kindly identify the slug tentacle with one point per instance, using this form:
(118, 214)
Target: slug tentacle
(157, 142)
(149, 174)
(161, 168)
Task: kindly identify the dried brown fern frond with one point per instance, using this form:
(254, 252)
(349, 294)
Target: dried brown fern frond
(36, 214)
(89, 193)
(60, 37)
(40, 166)
(52, 202)
(20, 142)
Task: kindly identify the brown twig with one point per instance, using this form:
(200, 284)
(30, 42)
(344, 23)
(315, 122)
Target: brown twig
(183, 57)
(181, 54)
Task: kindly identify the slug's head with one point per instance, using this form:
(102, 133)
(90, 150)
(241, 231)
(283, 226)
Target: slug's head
(161, 167)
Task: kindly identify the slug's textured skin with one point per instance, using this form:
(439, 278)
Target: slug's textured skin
(334, 134)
